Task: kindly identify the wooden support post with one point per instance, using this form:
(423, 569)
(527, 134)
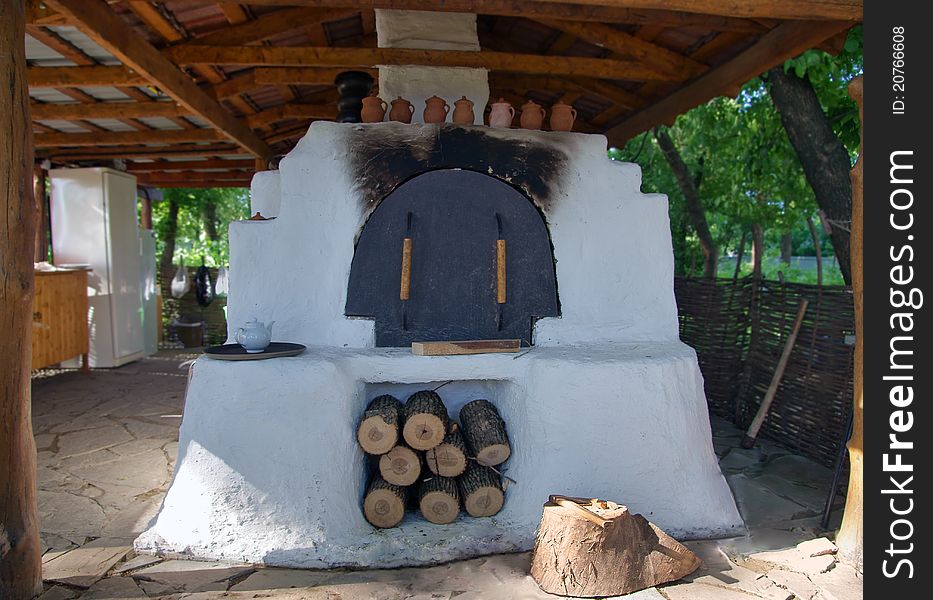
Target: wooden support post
(42, 203)
(849, 539)
(20, 553)
(145, 215)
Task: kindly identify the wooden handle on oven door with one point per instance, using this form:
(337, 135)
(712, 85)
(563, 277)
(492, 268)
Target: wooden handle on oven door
(500, 271)
(406, 269)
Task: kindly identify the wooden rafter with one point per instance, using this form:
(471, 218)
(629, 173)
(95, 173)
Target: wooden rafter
(299, 75)
(783, 42)
(234, 13)
(534, 9)
(151, 15)
(805, 10)
(70, 77)
(189, 165)
(131, 152)
(270, 25)
(106, 110)
(101, 24)
(315, 56)
(630, 46)
(160, 136)
(292, 111)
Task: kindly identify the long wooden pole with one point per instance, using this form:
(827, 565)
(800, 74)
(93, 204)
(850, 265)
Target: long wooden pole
(20, 554)
(749, 440)
(849, 539)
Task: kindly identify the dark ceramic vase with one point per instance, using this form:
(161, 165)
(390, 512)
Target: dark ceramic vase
(352, 86)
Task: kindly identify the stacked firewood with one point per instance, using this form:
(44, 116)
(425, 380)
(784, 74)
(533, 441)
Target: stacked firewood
(420, 454)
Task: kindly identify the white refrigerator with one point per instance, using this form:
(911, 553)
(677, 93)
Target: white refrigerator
(94, 222)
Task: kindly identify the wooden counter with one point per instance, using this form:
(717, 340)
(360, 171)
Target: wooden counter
(59, 317)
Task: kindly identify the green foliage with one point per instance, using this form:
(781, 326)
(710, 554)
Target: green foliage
(745, 167)
(191, 238)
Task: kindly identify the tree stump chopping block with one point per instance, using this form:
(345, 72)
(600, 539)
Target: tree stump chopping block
(378, 430)
(481, 490)
(439, 500)
(400, 466)
(425, 420)
(484, 432)
(589, 548)
(384, 503)
(449, 458)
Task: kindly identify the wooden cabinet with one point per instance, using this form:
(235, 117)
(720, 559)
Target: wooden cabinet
(59, 317)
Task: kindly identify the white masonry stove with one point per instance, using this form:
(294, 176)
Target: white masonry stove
(606, 403)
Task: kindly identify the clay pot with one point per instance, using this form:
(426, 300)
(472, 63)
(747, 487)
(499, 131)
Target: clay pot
(374, 109)
(532, 115)
(435, 110)
(501, 114)
(562, 117)
(402, 110)
(463, 112)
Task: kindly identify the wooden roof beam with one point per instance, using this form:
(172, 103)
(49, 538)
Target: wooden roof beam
(315, 56)
(629, 46)
(783, 42)
(804, 10)
(71, 77)
(270, 25)
(153, 16)
(106, 110)
(292, 111)
(105, 27)
(187, 165)
(531, 9)
(300, 75)
(158, 136)
(137, 151)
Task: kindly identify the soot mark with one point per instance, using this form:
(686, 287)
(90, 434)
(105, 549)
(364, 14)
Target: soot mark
(384, 157)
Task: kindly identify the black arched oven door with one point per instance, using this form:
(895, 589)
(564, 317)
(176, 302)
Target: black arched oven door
(454, 220)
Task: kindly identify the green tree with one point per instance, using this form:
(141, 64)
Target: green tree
(191, 224)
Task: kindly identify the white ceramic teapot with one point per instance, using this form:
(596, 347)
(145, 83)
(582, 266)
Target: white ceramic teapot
(254, 336)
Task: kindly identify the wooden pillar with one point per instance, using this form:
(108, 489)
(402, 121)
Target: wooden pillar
(42, 203)
(145, 216)
(20, 553)
(849, 539)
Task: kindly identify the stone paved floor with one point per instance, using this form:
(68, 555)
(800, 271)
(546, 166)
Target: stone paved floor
(107, 442)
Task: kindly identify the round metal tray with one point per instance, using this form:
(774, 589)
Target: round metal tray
(237, 352)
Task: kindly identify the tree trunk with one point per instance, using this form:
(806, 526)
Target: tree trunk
(787, 248)
(20, 554)
(849, 539)
(758, 249)
(815, 236)
(209, 219)
(692, 197)
(824, 159)
(740, 255)
(171, 228)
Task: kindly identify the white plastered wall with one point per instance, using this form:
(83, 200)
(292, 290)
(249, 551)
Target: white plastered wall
(430, 31)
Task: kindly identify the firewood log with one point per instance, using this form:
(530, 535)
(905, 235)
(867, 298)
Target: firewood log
(378, 430)
(449, 458)
(484, 432)
(439, 499)
(589, 548)
(481, 490)
(425, 420)
(400, 466)
(384, 503)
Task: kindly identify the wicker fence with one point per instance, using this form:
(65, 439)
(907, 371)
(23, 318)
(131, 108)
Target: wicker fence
(739, 329)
